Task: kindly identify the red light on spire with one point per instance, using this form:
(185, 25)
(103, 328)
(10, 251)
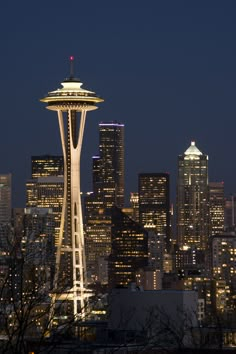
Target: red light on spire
(71, 66)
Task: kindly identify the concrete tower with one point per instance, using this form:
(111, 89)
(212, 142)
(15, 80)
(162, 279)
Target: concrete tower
(72, 102)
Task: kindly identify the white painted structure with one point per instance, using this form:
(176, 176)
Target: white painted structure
(69, 101)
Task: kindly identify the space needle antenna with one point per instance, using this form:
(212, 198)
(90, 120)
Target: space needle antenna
(71, 67)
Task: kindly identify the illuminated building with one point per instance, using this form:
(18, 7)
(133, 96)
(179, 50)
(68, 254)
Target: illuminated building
(230, 213)
(72, 102)
(129, 251)
(192, 199)
(205, 287)
(5, 198)
(216, 200)
(149, 279)
(108, 190)
(45, 189)
(223, 257)
(223, 269)
(222, 296)
(47, 192)
(38, 245)
(134, 202)
(156, 249)
(97, 242)
(108, 167)
(189, 259)
(46, 165)
(154, 203)
(5, 211)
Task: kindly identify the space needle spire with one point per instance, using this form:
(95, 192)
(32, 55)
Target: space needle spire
(71, 102)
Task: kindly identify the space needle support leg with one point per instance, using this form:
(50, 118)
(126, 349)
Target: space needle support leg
(78, 256)
(63, 214)
(62, 221)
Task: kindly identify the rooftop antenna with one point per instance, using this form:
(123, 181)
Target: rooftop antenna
(71, 67)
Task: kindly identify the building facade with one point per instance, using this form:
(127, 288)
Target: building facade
(192, 199)
(46, 165)
(216, 203)
(108, 167)
(154, 204)
(5, 212)
(129, 249)
(47, 192)
(108, 191)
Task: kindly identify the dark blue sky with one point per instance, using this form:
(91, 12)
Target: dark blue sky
(166, 69)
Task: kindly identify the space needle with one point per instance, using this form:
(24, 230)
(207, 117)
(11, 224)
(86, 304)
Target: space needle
(71, 102)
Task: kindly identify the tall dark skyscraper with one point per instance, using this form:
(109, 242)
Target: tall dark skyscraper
(108, 191)
(154, 203)
(5, 198)
(192, 199)
(230, 213)
(5, 210)
(129, 250)
(108, 167)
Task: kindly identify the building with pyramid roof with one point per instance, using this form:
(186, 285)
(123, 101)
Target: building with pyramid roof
(192, 199)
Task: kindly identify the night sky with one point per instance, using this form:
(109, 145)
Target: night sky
(166, 69)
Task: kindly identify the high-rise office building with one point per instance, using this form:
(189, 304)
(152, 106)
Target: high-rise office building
(223, 257)
(46, 187)
(47, 192)
(154, 204)
(38, 245)
(223, 261)
(72, 102)
(46, 165)
(108, 190)
(192, 199)
(5, 198)
(108, 167)
(5, 211)
(230, 213)
(98, 246)
(217, 202)
(129, 251)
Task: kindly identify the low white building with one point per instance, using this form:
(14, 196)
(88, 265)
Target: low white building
(165, 316)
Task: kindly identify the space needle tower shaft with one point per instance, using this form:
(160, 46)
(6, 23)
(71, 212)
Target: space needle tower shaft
(71, 102)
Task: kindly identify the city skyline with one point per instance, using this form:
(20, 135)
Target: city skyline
(165, 70)
(118, 231)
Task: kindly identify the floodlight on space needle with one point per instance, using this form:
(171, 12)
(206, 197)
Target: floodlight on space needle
(72, 102)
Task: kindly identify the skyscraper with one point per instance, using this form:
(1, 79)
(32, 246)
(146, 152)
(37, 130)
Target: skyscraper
(108, 190)
(5, 198)
(223, 260)
(129, 250)
(38, 245)
(230, 213)
(217, 201)
(5, 211)
(154, 203)
(47, 192)
(192, 199)
(108, 167)
(45, 189)
(69, 100)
